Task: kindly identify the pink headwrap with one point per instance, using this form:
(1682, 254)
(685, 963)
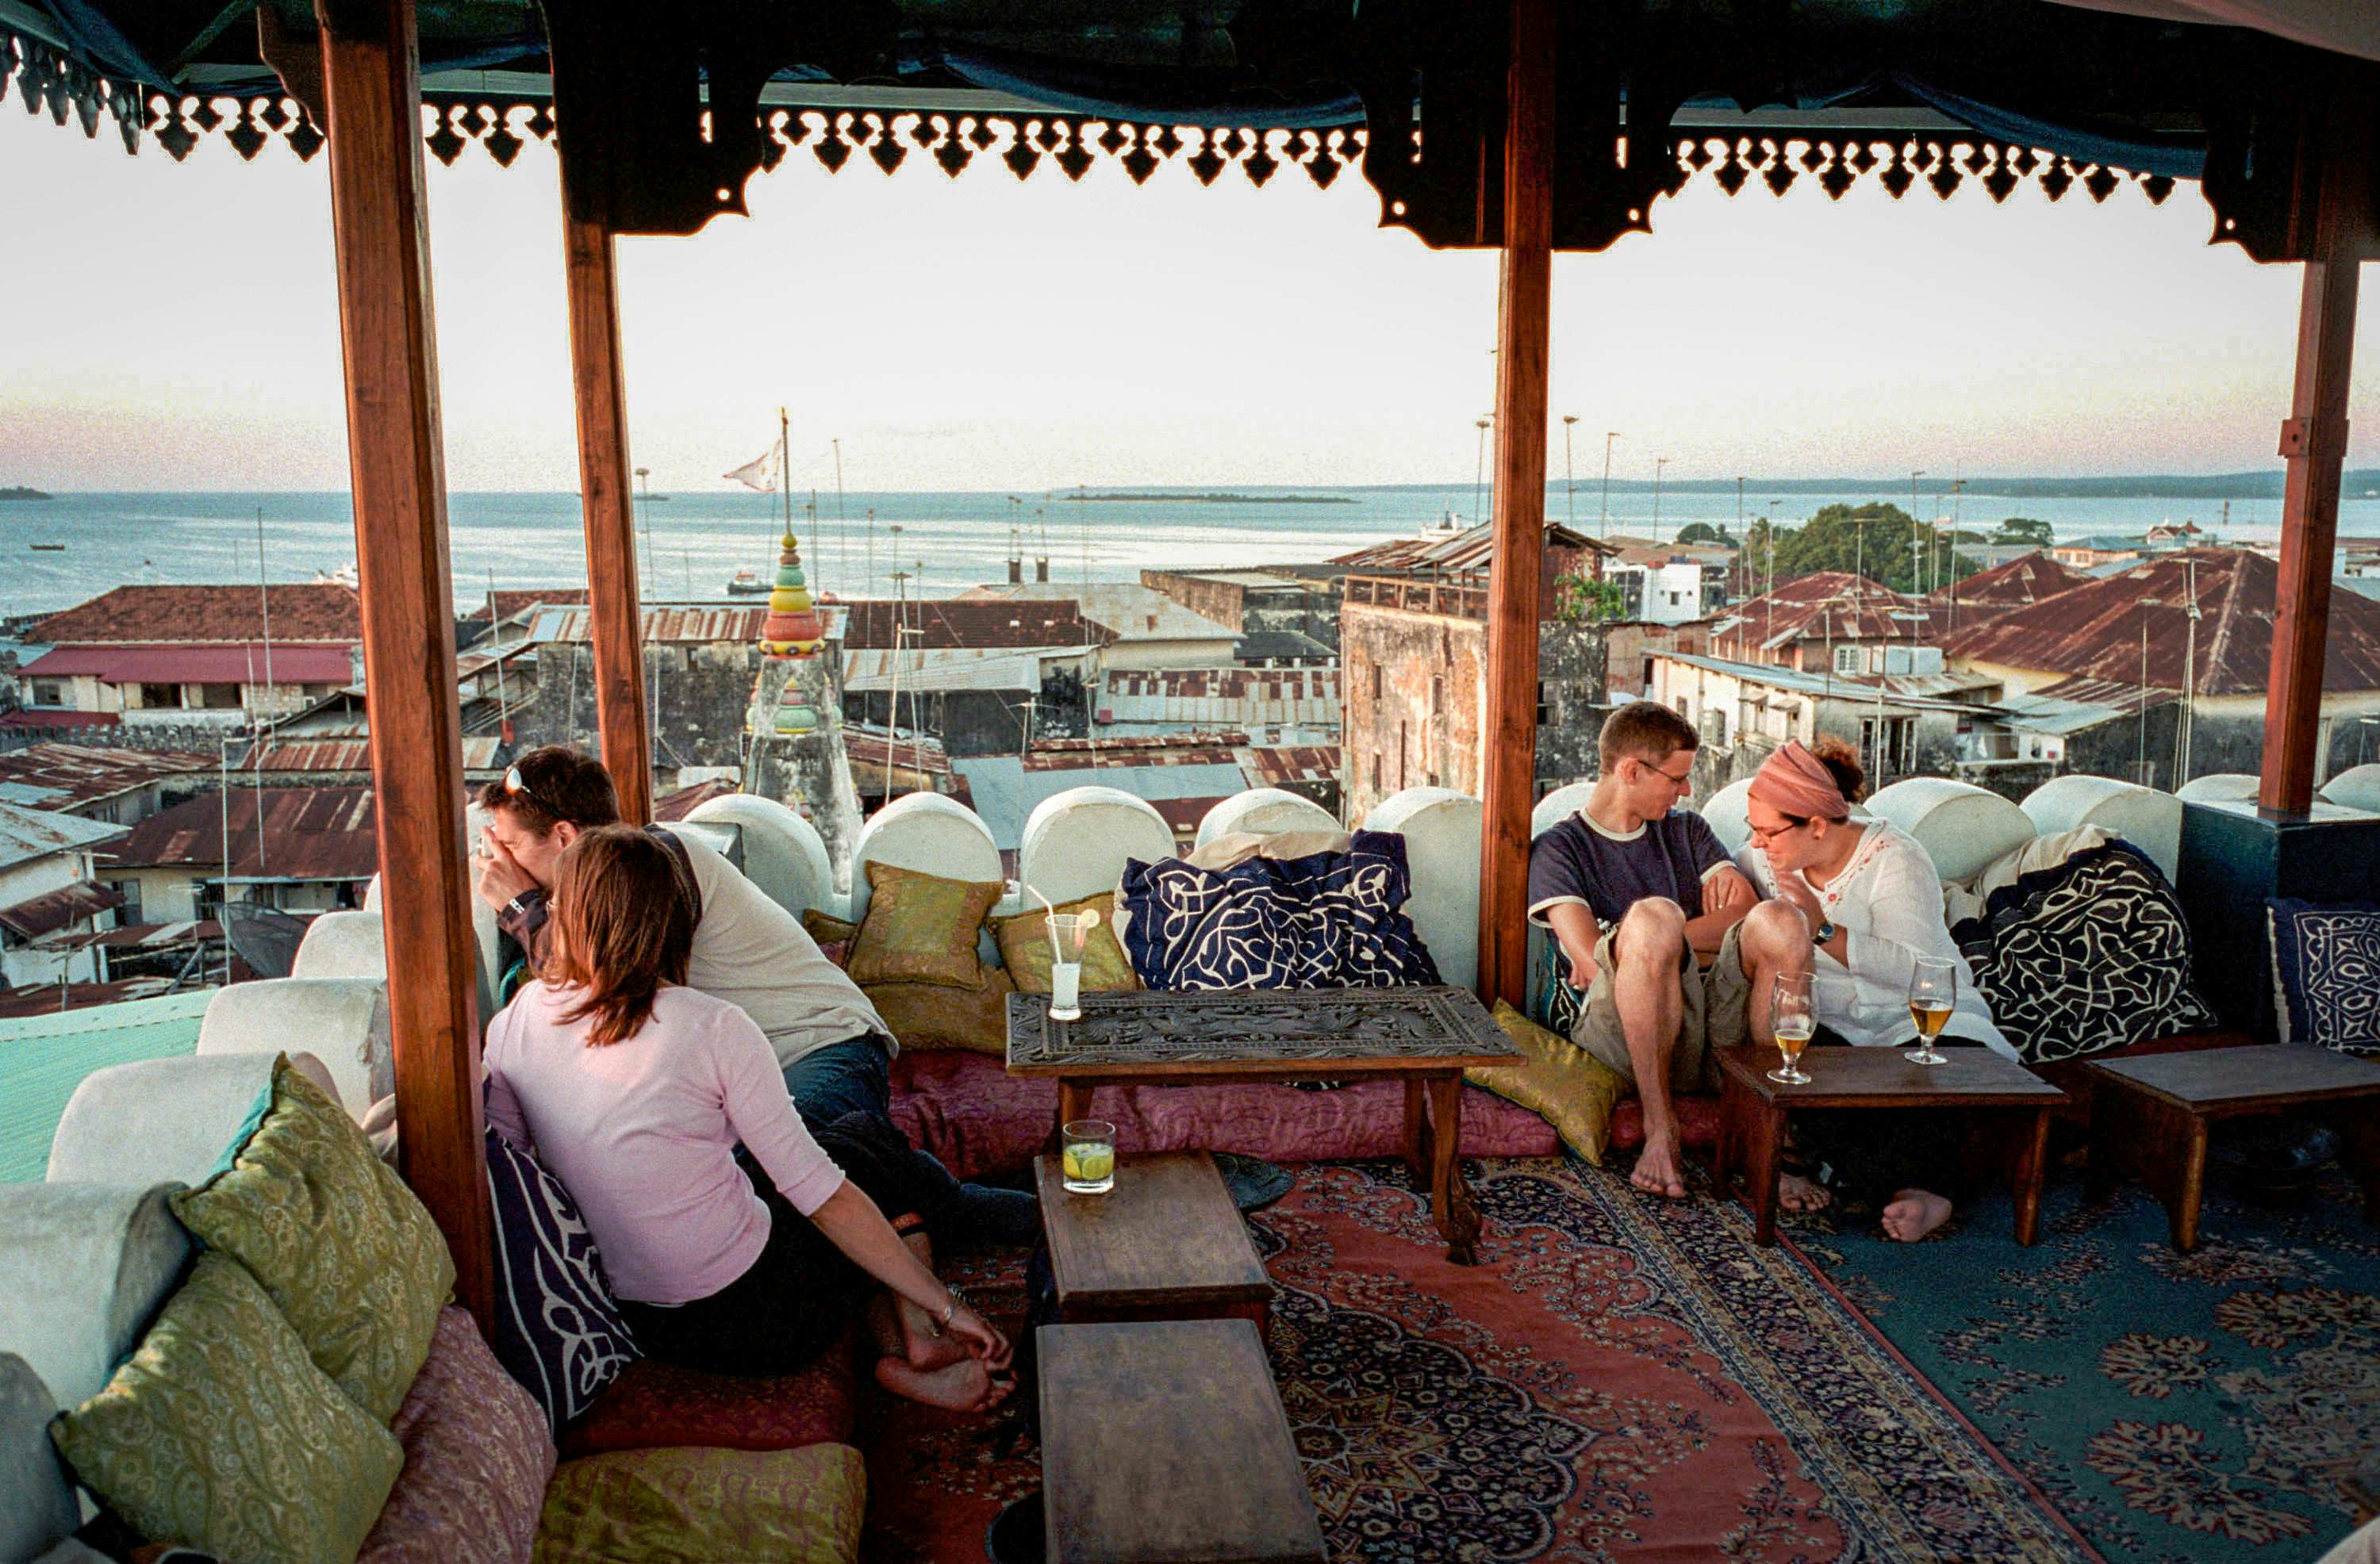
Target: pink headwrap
(1794, 781)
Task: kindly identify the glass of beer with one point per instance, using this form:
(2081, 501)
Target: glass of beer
(1933, 990)
(1088, 1156)
(1792, 1019)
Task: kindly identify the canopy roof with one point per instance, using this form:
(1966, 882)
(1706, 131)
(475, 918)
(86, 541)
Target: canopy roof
(1900, 89)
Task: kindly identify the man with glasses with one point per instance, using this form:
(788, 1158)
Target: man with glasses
(1638, 893)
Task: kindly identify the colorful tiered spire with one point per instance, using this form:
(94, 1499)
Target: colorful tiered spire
(791, 631)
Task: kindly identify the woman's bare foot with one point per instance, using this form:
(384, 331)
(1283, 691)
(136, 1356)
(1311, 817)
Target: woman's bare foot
(1796, 1193)
(1913, 1213)
(919, 1344)
(1657, 1171)
(964, 1386)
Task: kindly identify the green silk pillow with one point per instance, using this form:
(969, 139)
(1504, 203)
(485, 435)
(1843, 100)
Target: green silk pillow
(220, 1433)
(920, 928)
(1558, 1081)
(348, 1254)
(1025, 948)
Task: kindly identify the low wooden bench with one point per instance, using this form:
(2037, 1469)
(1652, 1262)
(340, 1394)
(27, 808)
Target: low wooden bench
(1166, 1243)
(1165, 1443)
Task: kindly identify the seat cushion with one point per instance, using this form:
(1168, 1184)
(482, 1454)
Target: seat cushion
(220, 1434)
(977, 1119)
(1329, 920)
(2326, 973)
(655, 1404)
(349, 1255)
(920, 928)
(681, 1506)
(557, 1331)
(477, 1461)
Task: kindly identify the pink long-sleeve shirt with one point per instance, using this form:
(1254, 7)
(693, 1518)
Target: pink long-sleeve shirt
(643, 1132)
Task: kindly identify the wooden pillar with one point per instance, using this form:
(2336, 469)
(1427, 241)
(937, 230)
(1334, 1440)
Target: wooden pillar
(1524, 299)
(372, 88)
(2313, 441)
(613, 608)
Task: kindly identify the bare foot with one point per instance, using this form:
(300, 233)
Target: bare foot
(1797, 1194)
(921, 1346)
(1913, 1213)
(964, 1386)
(1657, 1171)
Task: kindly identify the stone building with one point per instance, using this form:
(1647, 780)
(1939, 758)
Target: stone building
(1255, 602)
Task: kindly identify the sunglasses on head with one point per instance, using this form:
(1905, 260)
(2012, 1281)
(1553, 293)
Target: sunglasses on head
(516, 783)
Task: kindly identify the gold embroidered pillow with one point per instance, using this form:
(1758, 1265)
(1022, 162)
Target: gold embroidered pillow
(1558, 1081)
(220, 1433)
(1025, 948)
(934, 1016)
(348, 1254)
(920, 928)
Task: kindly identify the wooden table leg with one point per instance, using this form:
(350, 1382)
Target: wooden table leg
(1763, 1139)
(1729, 1153)
(2358, 1123)
(1074, 1102)
(2183, 1144)
(2024, 1177)
(1450, 1198)
(1417, 1149)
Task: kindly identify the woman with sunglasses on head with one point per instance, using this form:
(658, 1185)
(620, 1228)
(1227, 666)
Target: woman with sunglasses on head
(636, 1089)
(1873, 901)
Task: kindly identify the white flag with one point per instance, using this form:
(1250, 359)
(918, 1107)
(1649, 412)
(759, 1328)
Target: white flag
(759, 473)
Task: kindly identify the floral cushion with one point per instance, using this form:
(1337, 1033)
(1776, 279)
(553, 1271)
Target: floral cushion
(920, 928)
(476, 1460)
(1025, 947)
(220, 1433)
(1557, 1080)
(642, 1506)
(348, 1254)
(2085, 954)
(1330, 921)
(2326, 973)
(656, 1405)
(557, 1332)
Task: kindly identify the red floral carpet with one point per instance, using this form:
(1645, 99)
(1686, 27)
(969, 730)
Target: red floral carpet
(1619, 1379)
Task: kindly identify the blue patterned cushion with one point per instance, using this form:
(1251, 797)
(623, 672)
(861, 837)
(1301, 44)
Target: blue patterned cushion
(557, 1330)
(1334, 920)
(2326, 973)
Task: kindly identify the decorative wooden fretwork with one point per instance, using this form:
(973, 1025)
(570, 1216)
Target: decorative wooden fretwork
(1141, 1029)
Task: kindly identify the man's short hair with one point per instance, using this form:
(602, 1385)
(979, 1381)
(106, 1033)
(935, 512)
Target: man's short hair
(1647, 731)
(557, 783)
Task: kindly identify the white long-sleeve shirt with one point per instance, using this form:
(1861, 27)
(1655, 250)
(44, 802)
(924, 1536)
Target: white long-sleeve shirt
(1888, 902)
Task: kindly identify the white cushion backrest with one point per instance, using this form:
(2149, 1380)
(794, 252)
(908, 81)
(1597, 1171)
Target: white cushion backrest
(1441, 827)
(37, 1504)
(783, 854)
(2149, 819)
(156, 1120)
(927, 832)
(343, 944)
(1962, 827)
(2358, 787)
(342, 1020)
(1264, 811)
(88, 1265)
(1075, 842)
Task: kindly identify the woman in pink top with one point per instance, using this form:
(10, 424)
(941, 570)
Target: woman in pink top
(637, 1091)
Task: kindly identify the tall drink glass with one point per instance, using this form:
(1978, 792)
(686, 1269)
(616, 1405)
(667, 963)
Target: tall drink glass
(1793, 1018)
(1067, 933)
(1933, 990)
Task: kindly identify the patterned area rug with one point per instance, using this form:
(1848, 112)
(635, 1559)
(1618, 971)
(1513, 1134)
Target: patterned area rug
(1619, 1379)
(2176, 1409)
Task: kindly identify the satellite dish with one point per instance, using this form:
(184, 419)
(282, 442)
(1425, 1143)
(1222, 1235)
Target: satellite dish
(266, 938)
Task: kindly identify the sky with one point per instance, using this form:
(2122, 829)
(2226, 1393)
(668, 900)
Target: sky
(174, 326)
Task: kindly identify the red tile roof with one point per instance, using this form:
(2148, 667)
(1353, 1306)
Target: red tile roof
(321, 612)
(165, 663)
(2094, 630)
(940, 624)
(310, 834)
(46, 718)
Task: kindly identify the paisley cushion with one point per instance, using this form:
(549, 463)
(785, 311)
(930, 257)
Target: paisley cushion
(1330, 921)
(476, 1460)
(350, 1256)
(220, 1434)
(636, 1507)
(557, 1330)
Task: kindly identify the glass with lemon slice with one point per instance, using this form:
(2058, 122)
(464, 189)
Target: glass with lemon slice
(1089, 1156)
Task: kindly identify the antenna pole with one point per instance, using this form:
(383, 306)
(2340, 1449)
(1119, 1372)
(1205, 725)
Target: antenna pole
(503, 701)
(256, 719)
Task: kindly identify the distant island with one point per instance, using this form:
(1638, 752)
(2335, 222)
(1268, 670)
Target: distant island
(23, 494)
(1217, 499)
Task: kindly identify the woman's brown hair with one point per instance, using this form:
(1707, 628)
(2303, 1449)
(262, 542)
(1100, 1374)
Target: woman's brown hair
(621, 929)
(1843, 761)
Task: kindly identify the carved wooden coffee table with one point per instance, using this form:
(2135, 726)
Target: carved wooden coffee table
(1426, 1037)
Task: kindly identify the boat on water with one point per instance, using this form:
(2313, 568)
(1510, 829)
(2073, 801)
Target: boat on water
(345, 576)
(747, 584)
(49, 548)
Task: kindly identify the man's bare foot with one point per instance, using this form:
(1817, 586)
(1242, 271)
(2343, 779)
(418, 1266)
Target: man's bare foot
(1796, 1193)
(921, 1346)
(1913, 1213)
(964, 1386)
(1657, 1171)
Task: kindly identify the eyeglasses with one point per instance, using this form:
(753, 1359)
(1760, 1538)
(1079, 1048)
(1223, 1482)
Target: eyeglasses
(516, 782)
(1672, 778)
(1761, 836)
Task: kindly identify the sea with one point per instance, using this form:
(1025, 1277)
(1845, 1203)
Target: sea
(861, 545)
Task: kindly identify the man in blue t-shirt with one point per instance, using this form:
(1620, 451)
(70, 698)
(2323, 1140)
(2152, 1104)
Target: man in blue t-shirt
(1635, 890)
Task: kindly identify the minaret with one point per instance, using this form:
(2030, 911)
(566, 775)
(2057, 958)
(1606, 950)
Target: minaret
(797, 754)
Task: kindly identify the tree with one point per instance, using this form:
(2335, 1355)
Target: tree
(2024, 530)
(1580, 599)
(1874, 539)
(1704, 532)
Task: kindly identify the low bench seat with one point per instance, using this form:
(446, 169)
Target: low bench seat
(653, 1405)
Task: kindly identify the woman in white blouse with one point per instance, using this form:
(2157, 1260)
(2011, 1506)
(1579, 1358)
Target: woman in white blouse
(1874, 904)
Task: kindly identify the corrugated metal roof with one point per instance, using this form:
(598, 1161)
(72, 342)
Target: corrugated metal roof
(1473, 549)
(662, 627)
(240, 663)
(1124, 610)
(1799, 683)
(48, 719)
(310, 834)
(2022, 581)
(58, 776)
(2043, 713)
(68, 904)
(2094, 630)
(977, 624)
(1222, 696)
(45, 1055)
(317, 611)
(352, 755)
(1827, 604)
(27, 834)
(952, 668)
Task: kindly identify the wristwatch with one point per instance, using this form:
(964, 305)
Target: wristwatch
(516, 907)
(1826, 933)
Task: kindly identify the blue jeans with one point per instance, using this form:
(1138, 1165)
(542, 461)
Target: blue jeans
(855, 1076)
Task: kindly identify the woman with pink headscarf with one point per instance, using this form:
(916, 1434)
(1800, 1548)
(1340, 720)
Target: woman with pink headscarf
(1874, 904)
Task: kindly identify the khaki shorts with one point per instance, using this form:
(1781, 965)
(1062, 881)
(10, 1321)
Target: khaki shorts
(1713, 1014)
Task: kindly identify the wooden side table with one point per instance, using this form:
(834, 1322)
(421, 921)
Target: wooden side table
(2150, 1116)
(1754, 1110)
(1166, 1243)
(1165, 1443)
